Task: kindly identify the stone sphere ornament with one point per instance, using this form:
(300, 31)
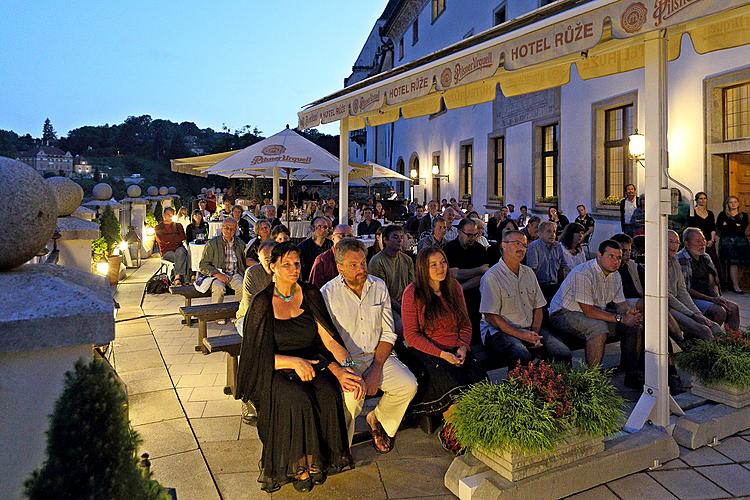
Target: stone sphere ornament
(172, 190)
(68, 195)
(152, 191)
(163, 191)
(102, 191)
(134, 191)
(30, 213)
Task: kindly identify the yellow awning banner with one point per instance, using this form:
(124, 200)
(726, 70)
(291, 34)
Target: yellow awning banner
(470, 94)
(427, 105)
(195, 165)
(382, 116)
(730, 29)
(533, 79)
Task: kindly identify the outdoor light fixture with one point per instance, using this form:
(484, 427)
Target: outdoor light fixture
(637, 147)
(436, 173)
(102, 268)
(414, 173)
(133, 245)
(150, 231)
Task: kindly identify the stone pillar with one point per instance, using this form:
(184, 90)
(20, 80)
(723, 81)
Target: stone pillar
(75, 240)
(166, 202)
(138, 218)
(50, 317)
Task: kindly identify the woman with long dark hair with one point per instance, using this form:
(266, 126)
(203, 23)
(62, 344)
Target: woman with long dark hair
(437, 330)
(293, 367)
(559, 219)
(734, 249)
(572, 241)
(198, 227)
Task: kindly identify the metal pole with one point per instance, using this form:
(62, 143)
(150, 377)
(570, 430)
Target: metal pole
(654, 404)
(276, 181)
(344, 170)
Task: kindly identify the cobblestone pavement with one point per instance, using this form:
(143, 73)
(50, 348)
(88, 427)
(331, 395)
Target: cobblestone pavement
(198, 444)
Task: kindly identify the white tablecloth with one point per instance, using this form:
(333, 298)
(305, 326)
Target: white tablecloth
(214, 228)
(196, 253)
(299, 229)
(367, 241)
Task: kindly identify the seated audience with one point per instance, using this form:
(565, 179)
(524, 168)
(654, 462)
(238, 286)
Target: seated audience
(438, 332)
(585, 220)
(315, 245)
(361, 310)
(369, 225)
(734, 249)
(293, 367)
(223, 259)
(324, 267)
(511, 306)
(243, 226)
(198, 228)
(202, 204)
(425, 223)
(375, 249)
(581, 307)
(183, 218)
(545, 257)
(169, 237)
(531, 229)
(270, 213)
(493, 224)
(437, 237)
(280, 234)
(412, 223)
(262, 233)
(571, 241)
(394, 267)
(702, 280)
(524, 217)
(559, 219)
(450, 216)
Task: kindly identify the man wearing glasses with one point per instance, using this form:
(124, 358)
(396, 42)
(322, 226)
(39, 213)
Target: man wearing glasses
(315, 245)
(224, 260)
(467, 260)
(324, 268)
(512, 303)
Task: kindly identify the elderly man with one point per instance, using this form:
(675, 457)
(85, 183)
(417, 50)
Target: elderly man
(450, 216)
(270, 212)
(368, 225)
(315, 245)
(223, 259)
(702, 280)
(512, 305)
(467, 260)
(426, 222)
(545, 257)
(437, 237)
(581, 308)
(361, 310)
(169, 236)
(394, 267)
(681, 305)
(324, 268)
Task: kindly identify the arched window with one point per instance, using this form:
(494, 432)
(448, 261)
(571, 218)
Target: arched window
(400, 186)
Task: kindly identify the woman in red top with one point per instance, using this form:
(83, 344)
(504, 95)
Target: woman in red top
(437, 330)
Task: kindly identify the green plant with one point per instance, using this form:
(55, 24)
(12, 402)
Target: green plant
(158, 211)
(723, 360)
(151, 220)
(91, 448)
(536, 407)
(546, 199)
(109, 229)
(611, 200)
(99, 249)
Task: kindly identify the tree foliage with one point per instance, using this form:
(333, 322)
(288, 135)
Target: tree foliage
(49, 136)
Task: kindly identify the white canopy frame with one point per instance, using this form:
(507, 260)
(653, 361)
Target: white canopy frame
(641, 37)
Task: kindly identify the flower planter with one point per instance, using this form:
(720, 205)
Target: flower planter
(736, 397)
(514, 466)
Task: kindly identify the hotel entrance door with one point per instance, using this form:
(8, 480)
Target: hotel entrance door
(739, 179)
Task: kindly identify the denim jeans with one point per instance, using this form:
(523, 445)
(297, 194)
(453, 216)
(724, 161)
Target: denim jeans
(181, 260)
(512, 350)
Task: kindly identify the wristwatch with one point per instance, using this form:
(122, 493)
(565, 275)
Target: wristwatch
(348, 363)
(618, 318)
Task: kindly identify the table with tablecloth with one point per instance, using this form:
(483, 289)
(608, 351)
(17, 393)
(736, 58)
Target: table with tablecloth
(214, 228)
(196, 254)
(299, 229)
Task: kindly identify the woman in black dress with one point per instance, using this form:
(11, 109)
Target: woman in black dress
(558, 219)
(198, 229)
(734, 249)
(704, 219)
(293, 368)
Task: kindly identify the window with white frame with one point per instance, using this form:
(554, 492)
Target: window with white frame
(618, 126)
(736, 101)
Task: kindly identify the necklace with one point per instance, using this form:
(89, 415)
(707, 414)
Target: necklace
(285, 298)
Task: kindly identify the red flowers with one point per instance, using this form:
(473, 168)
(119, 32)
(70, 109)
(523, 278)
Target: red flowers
(544, 380)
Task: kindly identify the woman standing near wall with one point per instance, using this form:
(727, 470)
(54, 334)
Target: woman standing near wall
(704, 219)
(734, 248)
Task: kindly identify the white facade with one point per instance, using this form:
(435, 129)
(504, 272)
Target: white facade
(580, 163)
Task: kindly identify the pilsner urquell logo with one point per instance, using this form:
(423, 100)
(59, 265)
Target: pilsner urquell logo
(664, 9)
(634, 17)
(273, 149)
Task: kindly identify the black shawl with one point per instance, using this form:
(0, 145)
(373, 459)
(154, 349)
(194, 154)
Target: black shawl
(255, 373)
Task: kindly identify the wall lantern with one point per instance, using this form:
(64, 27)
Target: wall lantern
(637, 147)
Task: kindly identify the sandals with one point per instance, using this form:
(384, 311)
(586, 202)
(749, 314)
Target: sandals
(381, 441)
(177, 281)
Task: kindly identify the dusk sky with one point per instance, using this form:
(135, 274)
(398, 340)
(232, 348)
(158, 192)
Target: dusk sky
(235, 62)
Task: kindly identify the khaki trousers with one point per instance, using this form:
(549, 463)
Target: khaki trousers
(399, 387)
(218, 289)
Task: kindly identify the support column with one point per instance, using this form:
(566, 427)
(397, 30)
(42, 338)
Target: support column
(654, 404)
(344, 170)
(276, 182)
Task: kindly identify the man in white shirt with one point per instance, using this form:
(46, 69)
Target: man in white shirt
(580, 308)
(627, 208)
(360, 307)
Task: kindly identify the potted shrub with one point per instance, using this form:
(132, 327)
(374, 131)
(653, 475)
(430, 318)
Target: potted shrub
(720, 367)
(91, 448)
(540, 418)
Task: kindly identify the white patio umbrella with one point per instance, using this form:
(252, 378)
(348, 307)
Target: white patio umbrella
(285, 151)
(365, 174)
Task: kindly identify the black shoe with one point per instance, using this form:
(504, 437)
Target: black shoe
(303, 485)
(318, 478)
(634, 380)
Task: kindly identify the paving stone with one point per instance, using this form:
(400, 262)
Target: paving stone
(639, 486)
(674, 464)
(166, 438)
(188, 474)
(702, 456)
(129, 361)
(149, 385)
(248, 432)
(732, 477)
(145, 374)
(216, 428)
(173, 359)
(194, 409)
(413, 477)
(184, 393)
(243, 486)
(216, 368)
(415, 443)
(735, 447)
(186, 368)
(687, 483)
(214, 393)
(598, 493)
(134, 328)
(223, 408)
(232, 456)
(135, 343)
(197, 380)
(362, 482)
(154, 407)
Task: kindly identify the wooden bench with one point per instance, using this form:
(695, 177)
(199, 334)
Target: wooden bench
(208, 312)
(230, 344)
(190, 293)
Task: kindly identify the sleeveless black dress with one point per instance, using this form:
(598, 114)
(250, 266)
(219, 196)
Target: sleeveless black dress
(308, 417)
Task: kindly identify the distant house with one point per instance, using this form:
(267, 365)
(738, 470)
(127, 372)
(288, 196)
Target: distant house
(50, 159)
(133, 179)
(81, 165)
